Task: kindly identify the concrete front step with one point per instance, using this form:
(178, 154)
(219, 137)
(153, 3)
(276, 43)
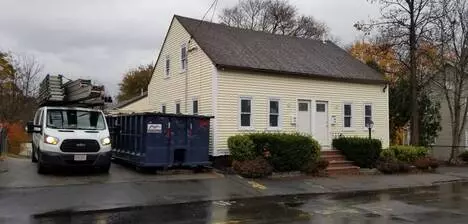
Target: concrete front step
(345, 170)
(338, 165)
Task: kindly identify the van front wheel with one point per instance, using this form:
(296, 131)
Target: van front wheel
(41, 169)
(33, 156)
(105, 168)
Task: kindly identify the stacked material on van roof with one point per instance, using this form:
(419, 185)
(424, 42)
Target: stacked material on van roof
(51, 89)
(82, 89)
(74, 92)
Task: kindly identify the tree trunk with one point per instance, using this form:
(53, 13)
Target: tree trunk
(455, 145)
(414, 81)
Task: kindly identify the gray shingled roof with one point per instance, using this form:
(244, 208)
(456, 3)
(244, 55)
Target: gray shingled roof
(131, 100)
(236, 48)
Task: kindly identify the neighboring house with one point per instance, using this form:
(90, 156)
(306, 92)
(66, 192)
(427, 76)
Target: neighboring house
(443, 143)
(254, 81)
(136, 104)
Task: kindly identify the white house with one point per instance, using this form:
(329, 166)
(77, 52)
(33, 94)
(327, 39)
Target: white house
(136, 104)
(254, 81)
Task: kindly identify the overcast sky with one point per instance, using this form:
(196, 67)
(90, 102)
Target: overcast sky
(102, 39)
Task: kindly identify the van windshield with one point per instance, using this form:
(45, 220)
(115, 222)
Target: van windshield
(75, 119)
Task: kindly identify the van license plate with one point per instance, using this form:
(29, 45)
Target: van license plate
(80, 158)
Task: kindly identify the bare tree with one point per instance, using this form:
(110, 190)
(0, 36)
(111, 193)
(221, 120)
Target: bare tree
(18, 81)
(28, 70)
(406, 24)
(273, 16)
(452, 42)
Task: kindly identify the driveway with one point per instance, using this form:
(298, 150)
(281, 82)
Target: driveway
(22, 173)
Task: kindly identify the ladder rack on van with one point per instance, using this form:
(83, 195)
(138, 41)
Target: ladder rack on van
(74, 93)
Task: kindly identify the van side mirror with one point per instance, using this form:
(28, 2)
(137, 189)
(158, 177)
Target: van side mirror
(31, 128)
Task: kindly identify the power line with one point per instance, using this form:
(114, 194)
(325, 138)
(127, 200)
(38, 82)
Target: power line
(213, 4)
(214, 10)
(207, 11)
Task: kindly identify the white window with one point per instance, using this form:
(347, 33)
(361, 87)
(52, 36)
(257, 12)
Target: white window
(183, 57)
(274, 113)
(245, 112)
(195, 107)
(163, 108)
(367, 114)
(347, 115)
(168, 65)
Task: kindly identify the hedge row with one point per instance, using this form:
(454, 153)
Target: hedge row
(395, 157)
(405, 153)
(363, 151)
(285, 152)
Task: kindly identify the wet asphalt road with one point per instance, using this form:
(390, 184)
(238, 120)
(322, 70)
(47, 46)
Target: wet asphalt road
(439, 204)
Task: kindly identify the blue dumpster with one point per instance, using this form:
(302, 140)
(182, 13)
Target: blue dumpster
(160, 140)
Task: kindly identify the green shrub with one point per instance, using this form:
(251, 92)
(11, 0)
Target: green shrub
(387, 154)
(241, 148)
(256, 168)
(409, 154)
(363, 151)
(464, 156)
(287, 152)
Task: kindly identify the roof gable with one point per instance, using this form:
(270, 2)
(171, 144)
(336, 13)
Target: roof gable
(237, 48)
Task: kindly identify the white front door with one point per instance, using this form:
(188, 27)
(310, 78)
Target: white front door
(304, 117)
(321, 123)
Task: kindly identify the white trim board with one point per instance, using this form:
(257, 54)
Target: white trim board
(214, 110)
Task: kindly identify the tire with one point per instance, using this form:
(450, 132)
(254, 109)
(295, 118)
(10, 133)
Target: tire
(41, 169)
(33, 156)
(106, 168)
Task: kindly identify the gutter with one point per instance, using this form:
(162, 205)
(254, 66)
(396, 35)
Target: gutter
(317, 76)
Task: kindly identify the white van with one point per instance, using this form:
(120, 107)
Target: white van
(70, 136)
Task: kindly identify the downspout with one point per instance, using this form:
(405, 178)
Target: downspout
(186, 73)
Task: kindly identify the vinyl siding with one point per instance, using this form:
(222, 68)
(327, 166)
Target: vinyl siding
(444, 138)
(261, 87)
(140, 105)
(196, 79)
(182, 86)
(443, 142)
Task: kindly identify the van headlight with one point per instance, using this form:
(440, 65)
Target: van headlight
(105, 141)
(51, 140)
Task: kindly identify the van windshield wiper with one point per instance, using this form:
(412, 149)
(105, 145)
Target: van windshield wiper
(87, 129)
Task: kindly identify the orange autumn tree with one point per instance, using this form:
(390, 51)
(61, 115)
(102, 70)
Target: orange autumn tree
(383, 58)
(16, 136)
(380, 54)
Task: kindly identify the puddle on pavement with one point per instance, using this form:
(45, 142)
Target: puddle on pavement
(438, 204)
